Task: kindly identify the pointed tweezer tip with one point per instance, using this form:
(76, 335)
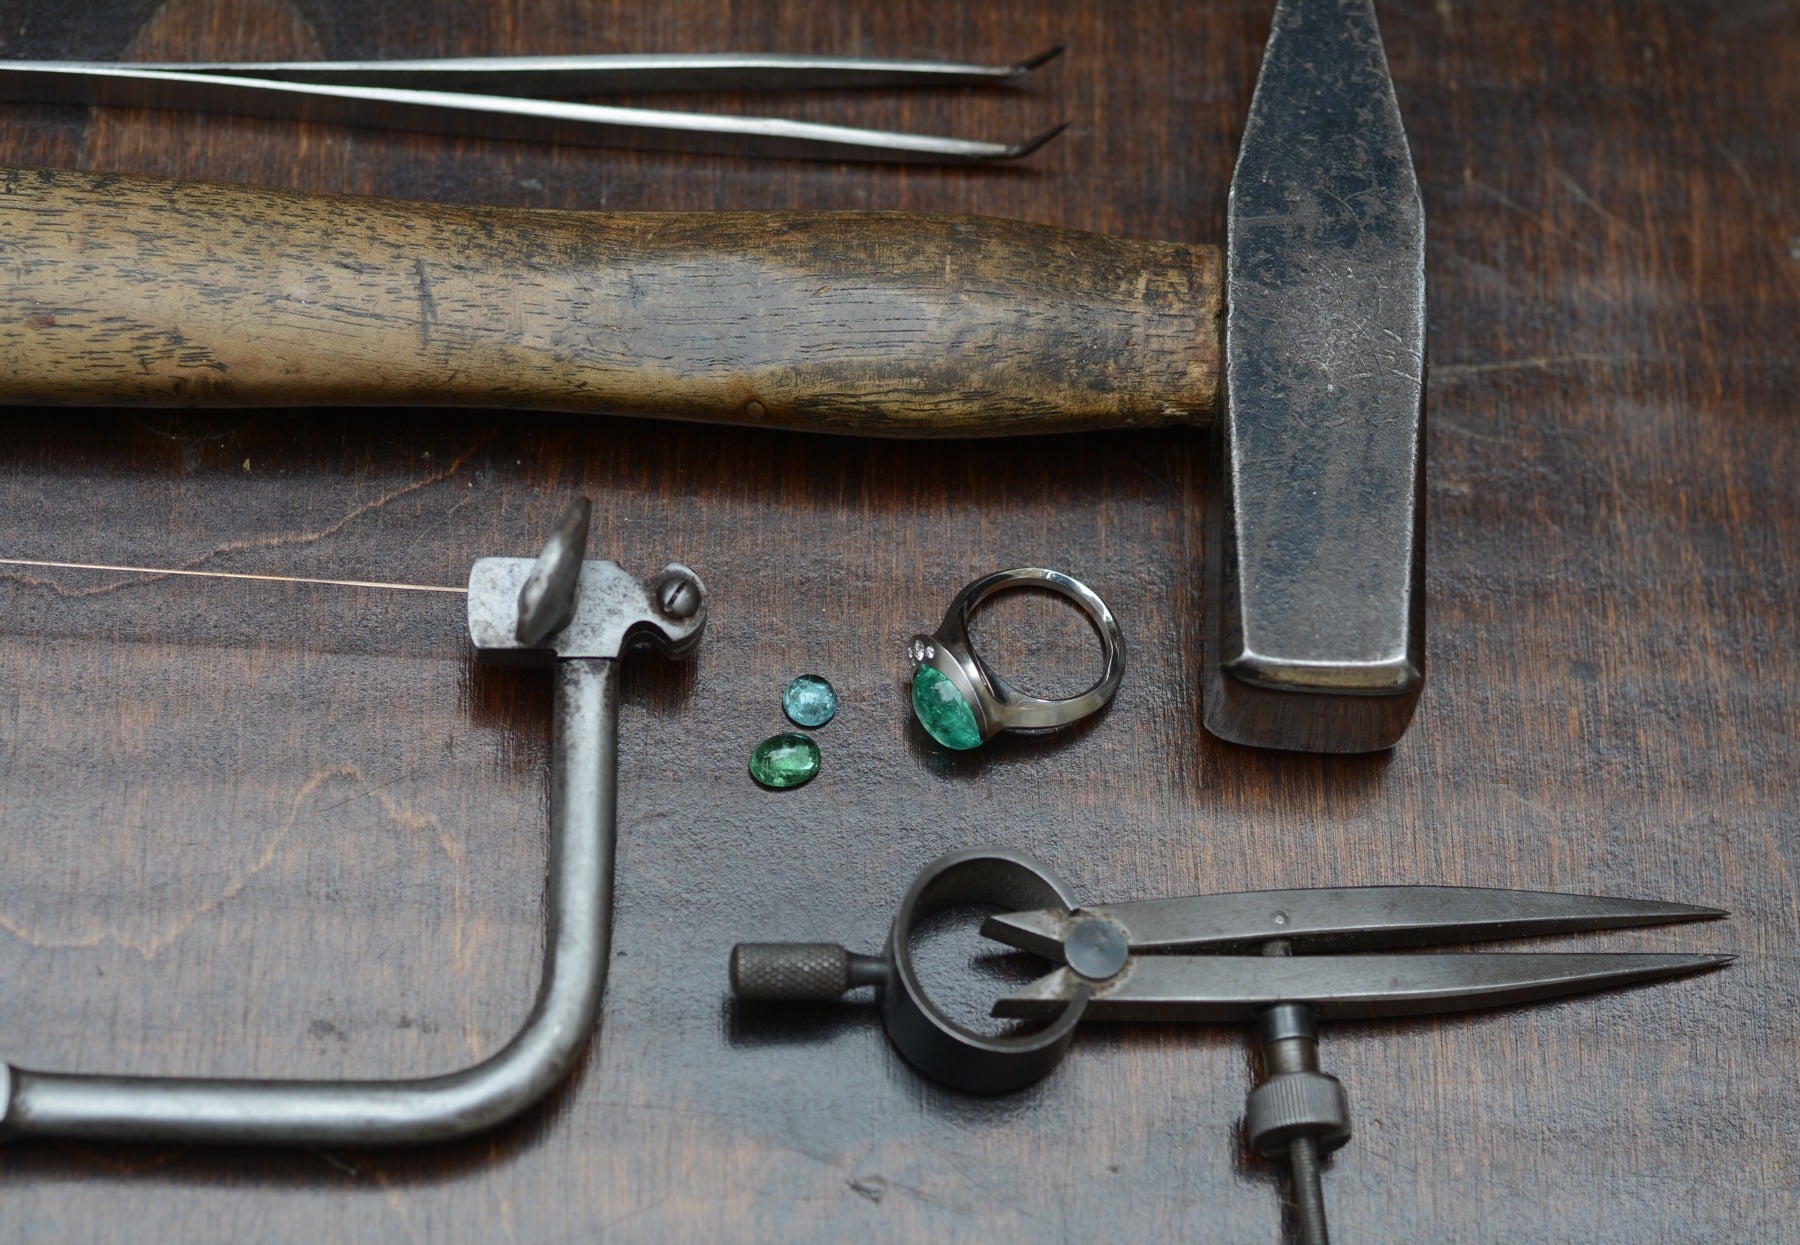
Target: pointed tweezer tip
(1016, 150)
(1042, 58)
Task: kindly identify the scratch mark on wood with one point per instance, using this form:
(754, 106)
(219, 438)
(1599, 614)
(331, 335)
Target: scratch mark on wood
(405, 818)
(1580, 192)
(1536, 363)
(427, 304)
(1513, 205)
(872, 1187)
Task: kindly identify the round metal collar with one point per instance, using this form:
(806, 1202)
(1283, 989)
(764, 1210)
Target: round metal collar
(929, 1039)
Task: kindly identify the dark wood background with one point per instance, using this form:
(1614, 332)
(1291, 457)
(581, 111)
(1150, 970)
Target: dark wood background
(257, 829)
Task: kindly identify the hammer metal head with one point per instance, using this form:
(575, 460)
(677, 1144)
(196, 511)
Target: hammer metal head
(1316, 633)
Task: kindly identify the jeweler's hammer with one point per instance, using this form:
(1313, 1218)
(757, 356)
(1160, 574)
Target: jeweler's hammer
(118, 290)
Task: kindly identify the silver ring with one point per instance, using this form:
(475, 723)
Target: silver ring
(962, 704)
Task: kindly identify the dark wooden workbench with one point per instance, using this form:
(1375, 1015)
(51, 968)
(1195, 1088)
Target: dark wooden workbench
(264, 829)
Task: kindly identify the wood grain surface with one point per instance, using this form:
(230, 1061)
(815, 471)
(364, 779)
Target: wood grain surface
(281, 830)
(155, 292)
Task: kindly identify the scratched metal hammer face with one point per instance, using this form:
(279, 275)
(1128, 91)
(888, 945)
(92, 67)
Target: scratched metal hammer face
(985, 327)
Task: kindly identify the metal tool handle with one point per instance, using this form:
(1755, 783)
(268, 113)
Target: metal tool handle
(578, 909)
(611, 613)
(135, 291)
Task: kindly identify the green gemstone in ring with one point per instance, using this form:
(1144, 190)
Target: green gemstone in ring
(943, 711)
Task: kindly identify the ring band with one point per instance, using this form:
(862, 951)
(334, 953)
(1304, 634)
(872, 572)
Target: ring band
(963, 704)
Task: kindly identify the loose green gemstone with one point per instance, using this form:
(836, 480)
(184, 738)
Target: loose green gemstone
(809, 701)
(942, 710)
(785, 760)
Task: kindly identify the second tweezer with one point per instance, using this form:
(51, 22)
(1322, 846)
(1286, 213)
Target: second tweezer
(498, 97)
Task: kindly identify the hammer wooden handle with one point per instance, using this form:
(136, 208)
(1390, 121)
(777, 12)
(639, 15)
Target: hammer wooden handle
(117, 290)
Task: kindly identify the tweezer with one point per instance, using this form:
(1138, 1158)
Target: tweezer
(485, 97)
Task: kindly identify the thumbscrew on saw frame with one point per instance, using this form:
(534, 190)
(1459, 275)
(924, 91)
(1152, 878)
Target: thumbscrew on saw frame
(547, 601)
